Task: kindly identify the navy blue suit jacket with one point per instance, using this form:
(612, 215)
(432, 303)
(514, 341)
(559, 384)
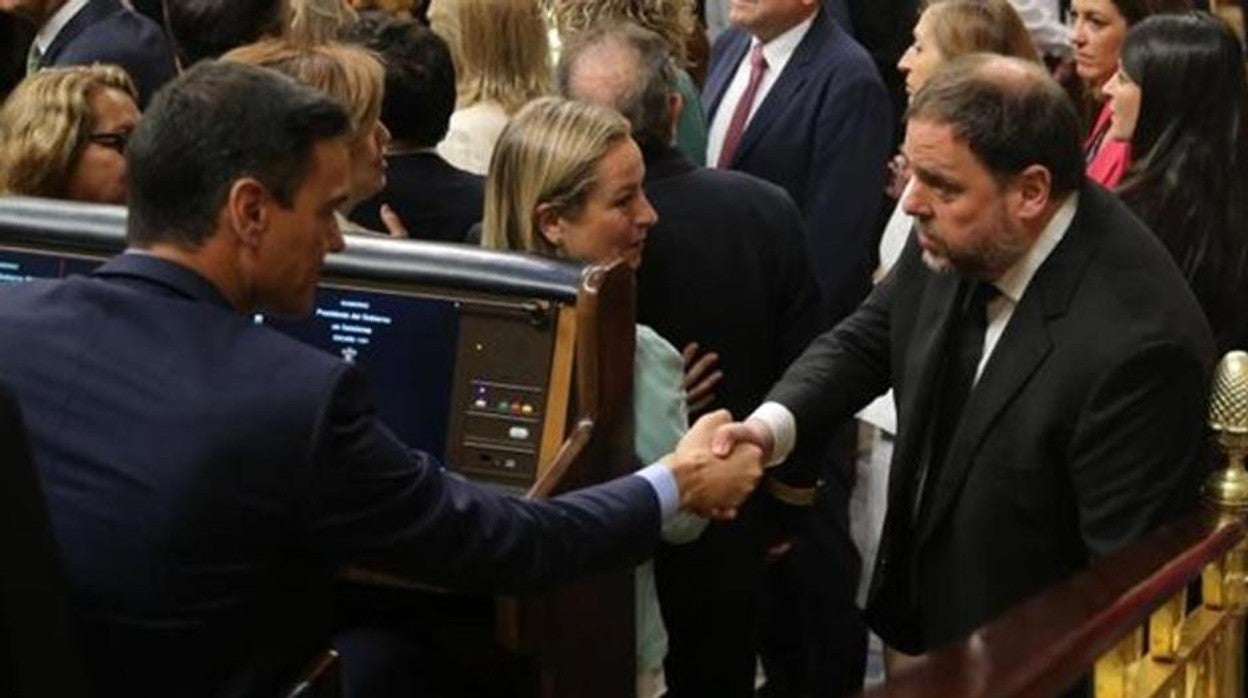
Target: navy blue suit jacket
(107, 32)
(824, 134)
(434, 199)
(206, 476)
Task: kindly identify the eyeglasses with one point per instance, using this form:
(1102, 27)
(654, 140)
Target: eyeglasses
(115, 140)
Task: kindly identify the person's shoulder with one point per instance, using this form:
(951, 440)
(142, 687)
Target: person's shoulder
(121, 32)
(1131, 283)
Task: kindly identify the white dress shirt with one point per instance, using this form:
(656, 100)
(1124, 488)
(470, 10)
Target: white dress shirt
(1012, 285)
(778, 51)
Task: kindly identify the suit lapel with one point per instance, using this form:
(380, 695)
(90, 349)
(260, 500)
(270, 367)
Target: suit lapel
(923, 354)
(717, 83)
(92, 12)
(788, 86)
(1022, 348)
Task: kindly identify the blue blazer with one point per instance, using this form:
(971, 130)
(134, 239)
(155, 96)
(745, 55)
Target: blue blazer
(105, 31)
(824, 134)
(206, 476)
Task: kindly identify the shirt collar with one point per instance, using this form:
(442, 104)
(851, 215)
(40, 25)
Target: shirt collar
(779, 50)
(1015, 280)
(54, 25)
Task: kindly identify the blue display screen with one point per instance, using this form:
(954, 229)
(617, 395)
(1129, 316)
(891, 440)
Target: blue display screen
(405, 345)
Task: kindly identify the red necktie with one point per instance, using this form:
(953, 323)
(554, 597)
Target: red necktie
(736, 127)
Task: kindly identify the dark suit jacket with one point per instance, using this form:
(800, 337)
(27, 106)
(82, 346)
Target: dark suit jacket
(1083, 432)
(206, 476)
(435, 200)
(107, 32)
(726, 267)
(38, 649)
(824, 134)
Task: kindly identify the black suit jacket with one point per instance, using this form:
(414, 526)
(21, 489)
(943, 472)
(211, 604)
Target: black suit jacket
(726, 267)
(824, 134)
(435, 200)
(206, 476)
(1083, 432)
(105, 31)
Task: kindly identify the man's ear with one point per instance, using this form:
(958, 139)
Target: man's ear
(247, 205)
(549, 224)
(1034, 191)
(675, 107)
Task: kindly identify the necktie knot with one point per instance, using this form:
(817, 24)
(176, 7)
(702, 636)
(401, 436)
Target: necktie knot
(758, 61)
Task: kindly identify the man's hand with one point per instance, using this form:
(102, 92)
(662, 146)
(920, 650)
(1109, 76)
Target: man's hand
(714, 486)
(751, 431)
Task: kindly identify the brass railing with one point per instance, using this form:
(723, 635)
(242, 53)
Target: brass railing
(1126, 619)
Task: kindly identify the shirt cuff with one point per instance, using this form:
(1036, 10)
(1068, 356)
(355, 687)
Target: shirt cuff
(783, 426)
(663, 481)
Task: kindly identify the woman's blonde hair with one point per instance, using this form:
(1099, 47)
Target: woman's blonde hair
(547, 154)
(671, 19)
(500, 49)
(314, 22)
(45, 123)
(350, 74)
(959, 27)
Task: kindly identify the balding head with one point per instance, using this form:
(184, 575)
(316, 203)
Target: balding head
(1009, 112)
(628, 69)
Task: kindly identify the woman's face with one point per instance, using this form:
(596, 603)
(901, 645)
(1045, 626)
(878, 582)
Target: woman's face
(1124, 105)
(1097, 32)
(921, 59)
(613, 222)
(99, 174)
(368, 162)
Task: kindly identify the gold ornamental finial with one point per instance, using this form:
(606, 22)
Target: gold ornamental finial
(1228, 418)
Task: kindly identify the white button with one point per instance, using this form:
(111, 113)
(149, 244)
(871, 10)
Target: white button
(518, 433)
(510, 464)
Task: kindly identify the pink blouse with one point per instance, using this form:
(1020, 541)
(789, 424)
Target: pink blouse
(1108, 159)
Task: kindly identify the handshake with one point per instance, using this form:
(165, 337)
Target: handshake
(718, 464)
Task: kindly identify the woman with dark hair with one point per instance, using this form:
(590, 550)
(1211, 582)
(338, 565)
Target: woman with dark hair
(1178, 101)
(1098, 29)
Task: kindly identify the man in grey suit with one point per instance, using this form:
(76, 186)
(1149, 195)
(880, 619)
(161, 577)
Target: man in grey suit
(1049, 363)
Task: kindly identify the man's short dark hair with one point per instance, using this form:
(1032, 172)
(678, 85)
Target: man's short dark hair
(645, 102)
(420, 78)
(216, 123)
(203, 29)
(1011, 115)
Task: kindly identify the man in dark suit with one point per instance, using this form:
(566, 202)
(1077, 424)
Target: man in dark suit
(433, 199)
(81, 32)
(1049, 363)
(206, 475)
(724, 267)
(818, 123)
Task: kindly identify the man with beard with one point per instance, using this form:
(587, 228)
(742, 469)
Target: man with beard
(1049, 364)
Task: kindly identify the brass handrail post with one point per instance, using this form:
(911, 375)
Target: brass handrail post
(1227, 491)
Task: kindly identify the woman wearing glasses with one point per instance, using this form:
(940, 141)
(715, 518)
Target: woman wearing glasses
(63, 134)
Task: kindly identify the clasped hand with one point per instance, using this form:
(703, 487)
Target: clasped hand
(714, 485)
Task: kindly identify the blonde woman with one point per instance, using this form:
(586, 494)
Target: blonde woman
(565, 182)
(502, 61)
(63, 134)
(354, 76)
(671, 19)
